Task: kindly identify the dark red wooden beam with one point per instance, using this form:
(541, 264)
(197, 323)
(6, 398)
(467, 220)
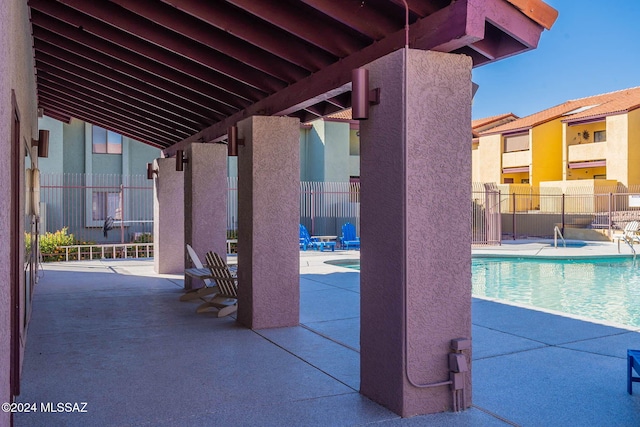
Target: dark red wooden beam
(133, 88)
(258, 32)
(307, 24)
(457, 25)
(92, 97)
(136, 66)
(370, 19)
(73, 105)
(108, 18)
(113, 97)
(81, 113)
(204, 34)
(159, 88)
(71, 24)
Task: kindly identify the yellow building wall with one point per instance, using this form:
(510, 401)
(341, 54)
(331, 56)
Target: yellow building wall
(546, 152)
(518, 178)
(490, 159)
(475, 162)
(634, 147)
(586, 173)
(575, 134)
(618, 148)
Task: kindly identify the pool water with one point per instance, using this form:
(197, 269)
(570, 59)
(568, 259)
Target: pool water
(606, 289)
(600, 289)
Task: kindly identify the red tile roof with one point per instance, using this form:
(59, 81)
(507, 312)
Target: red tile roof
(481, 125)
(598, 106)
(343, 115)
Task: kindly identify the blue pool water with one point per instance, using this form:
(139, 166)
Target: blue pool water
(599, 289)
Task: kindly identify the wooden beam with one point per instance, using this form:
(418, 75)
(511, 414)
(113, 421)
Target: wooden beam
(65, 37)
(538, 11)
(97, 35)
(240, 50)
(186, 113)
(331, 81)
(134, 25)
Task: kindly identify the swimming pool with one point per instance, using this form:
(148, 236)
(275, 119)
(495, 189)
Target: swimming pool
(604, 289)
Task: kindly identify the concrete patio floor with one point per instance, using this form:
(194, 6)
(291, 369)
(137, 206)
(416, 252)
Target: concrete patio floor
(114, 335)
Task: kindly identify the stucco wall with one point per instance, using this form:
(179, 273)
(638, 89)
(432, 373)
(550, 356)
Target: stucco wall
(139, 155)
(617, 148)
(490, 158)
(55, 162)
(634, 147)
(73, 146)
(16, 72)
(315, 151)
(354, 150)
(5, 165)
(546, 152)
(336, 151)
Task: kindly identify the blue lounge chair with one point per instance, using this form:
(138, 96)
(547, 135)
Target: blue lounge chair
(633, 364)
(349, 238)
(306, 240)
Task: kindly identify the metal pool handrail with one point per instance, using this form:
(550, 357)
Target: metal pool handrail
(556, 232)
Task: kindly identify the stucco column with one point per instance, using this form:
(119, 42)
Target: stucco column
(268, 222)
(205, 201)
(415, 230)
(168, 218)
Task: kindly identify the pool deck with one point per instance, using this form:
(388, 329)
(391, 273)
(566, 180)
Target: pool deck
(548, 249)
(113, 334)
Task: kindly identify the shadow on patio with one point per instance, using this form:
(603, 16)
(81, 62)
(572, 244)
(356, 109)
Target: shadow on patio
(114, 335)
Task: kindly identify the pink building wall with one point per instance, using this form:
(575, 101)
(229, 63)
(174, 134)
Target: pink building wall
(415, 279)
(168, 215)
(17, 74)
(268, 222)
(205, 200)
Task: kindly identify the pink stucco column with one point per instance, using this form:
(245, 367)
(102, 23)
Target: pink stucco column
(415, 230)
(268, 222)
(168, 218)
(205, 201)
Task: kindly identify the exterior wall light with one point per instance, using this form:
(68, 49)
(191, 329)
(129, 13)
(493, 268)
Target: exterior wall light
(233, 141)
(180, 160)
(151, 171)
(42, 143)
(361, 96)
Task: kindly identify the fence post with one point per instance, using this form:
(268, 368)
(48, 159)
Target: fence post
(121, 213)
(500, 217)
(311, 204)
(563, 214)
(513, 222)
(610, 222)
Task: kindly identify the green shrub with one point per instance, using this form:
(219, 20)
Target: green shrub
(50, 243)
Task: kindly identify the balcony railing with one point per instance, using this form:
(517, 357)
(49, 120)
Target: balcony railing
(587, 152)
(516, 158)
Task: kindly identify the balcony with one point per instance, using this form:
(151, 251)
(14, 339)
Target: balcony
(587, 152)
(516, 158)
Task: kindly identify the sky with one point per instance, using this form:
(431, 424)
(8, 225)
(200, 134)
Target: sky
(593, 48)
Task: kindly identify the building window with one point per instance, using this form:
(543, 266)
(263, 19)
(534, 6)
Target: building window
(508, 180)
(105, 141)
(516, 143)
(524, 181)
(600, 136)
(105, 204)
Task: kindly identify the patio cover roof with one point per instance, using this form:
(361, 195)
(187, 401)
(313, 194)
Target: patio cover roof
(175, 71)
